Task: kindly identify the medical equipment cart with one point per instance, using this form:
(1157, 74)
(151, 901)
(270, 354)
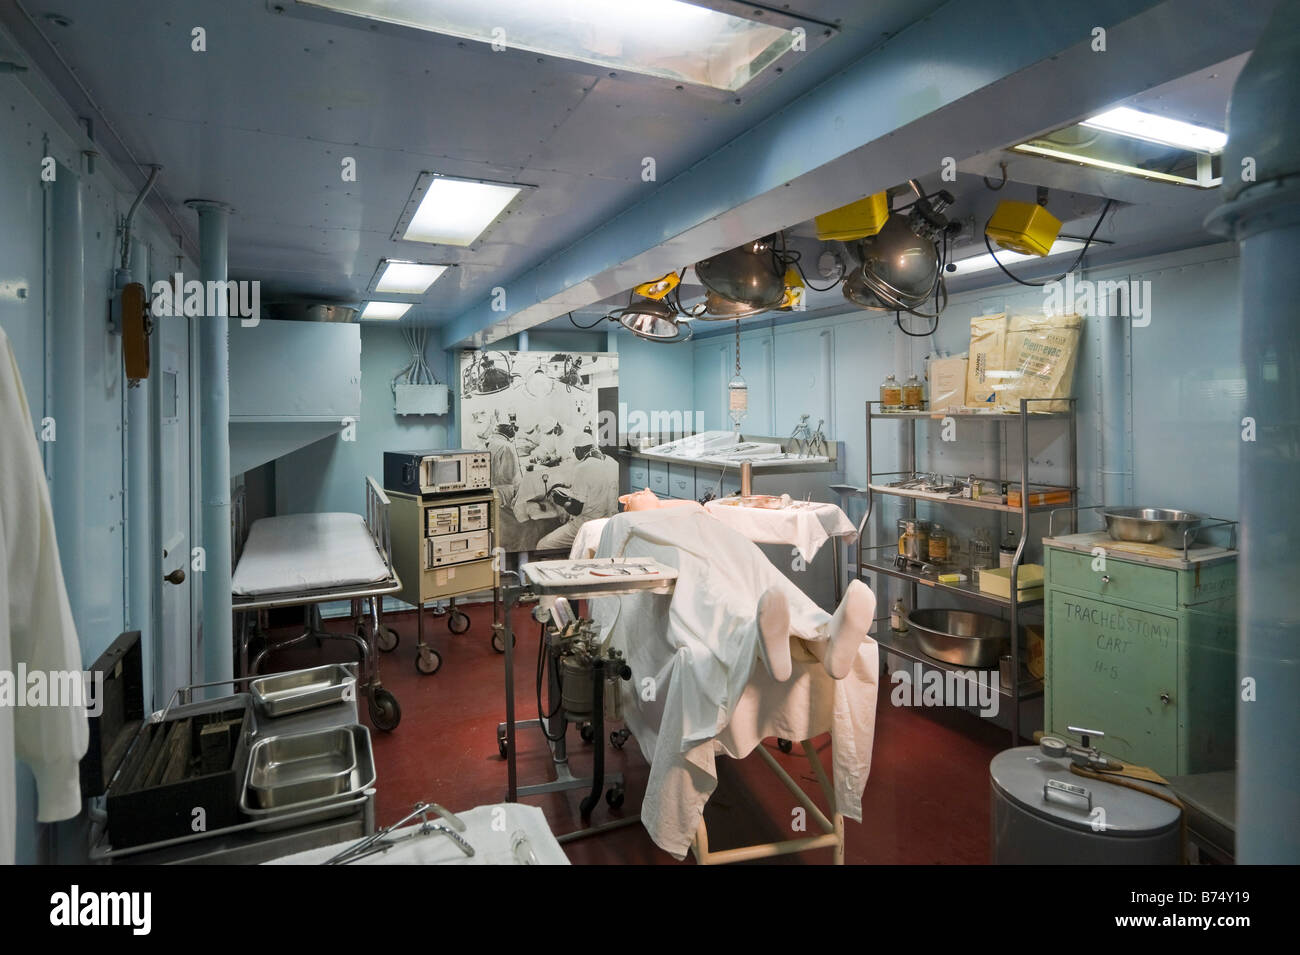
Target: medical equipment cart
(191, 809)
(444, 547)
(548, 581)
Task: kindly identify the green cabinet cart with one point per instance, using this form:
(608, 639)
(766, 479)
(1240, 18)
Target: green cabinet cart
(1143, 647)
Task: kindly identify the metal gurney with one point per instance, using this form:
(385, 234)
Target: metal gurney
(310, 559)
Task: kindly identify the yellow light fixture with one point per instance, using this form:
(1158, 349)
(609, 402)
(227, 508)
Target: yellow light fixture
(857, 220)
(659, 287)
(1024, 227)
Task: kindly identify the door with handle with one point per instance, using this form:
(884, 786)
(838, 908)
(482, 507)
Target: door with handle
(173, 666)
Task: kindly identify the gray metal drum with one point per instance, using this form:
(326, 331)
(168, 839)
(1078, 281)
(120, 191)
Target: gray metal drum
(1090, 822)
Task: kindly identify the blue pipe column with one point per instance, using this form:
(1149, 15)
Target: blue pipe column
(1116, 464)
(216, 643)
(68, 388)
(1261, 183)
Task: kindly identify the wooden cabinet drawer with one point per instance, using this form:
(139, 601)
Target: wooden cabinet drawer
(638, 476)
(681, 482)
(1121, 580)
(658, 480)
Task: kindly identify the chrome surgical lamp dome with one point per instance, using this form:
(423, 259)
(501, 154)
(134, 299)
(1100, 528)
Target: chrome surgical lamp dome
(653, 321)
(741, 282)
(899, 269)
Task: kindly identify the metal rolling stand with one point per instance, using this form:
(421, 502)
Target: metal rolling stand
(535, 581)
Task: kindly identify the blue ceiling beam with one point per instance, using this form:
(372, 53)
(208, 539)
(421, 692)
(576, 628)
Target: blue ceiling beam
(974, 76)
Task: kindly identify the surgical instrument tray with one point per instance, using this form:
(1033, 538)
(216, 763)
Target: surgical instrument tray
(289, 812)
(283, 693)
(289, 769)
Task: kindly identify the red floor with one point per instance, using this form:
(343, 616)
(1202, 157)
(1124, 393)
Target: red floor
(927, 800)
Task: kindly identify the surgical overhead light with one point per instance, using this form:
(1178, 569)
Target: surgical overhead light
(743, 281)
(719, 309)
(901, 267)
(653, 321)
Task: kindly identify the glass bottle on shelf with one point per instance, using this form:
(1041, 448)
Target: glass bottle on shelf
(913, 394)
(938, 544)
(891, 395)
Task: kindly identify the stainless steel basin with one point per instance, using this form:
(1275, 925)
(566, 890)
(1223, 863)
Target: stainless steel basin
(1149, 525)
(961, 637)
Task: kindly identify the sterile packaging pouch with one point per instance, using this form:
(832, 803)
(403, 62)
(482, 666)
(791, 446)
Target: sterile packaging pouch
(1040, 355)
(988, 335)
(947, 383)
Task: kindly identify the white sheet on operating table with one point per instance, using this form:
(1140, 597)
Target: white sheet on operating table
(710, 692)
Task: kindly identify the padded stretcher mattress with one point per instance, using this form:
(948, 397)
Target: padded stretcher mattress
(301, 553)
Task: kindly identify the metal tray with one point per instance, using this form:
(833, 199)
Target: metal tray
(284, 693)
(300, 813)
(285, 770)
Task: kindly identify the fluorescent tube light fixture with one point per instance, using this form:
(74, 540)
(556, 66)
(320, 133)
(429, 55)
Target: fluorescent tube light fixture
(1154, 128)
(395, 277)
(385, 311)
(670, 39)
(447, 210)
(984, 261)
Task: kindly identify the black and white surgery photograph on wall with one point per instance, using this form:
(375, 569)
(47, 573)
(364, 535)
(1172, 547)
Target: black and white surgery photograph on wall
(539, 414)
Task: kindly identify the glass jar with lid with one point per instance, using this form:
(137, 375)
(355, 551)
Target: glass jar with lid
(913, 394)
(891, 394)
(938, 544)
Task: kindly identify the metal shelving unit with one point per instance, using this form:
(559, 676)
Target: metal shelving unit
(874, 559)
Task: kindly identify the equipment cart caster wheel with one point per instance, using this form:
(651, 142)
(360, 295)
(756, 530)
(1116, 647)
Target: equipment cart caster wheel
(502, 747)
(437, 610)
(618, 738)
(428, 660)
(386, 639)
(785, 746)
(384, 711)
(458, 622)
(614, 796)
(586, 732)
(499, 644)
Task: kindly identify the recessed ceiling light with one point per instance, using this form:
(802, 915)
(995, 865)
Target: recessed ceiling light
(1154, 128)
(670, 39)
(447, 210)
(385, 311)
(983, 261)
(406, 278)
